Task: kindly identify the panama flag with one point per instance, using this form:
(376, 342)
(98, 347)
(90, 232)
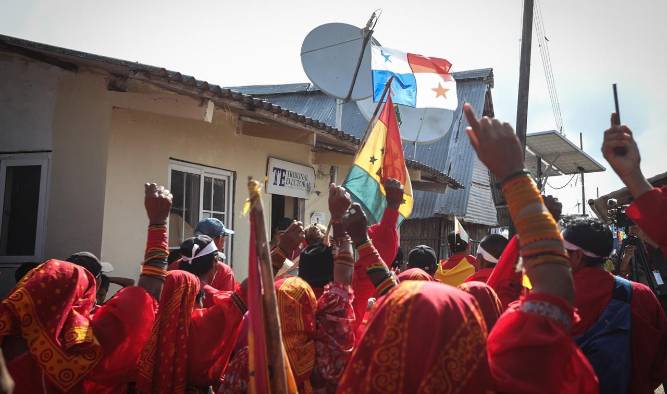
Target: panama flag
(419, 81)
(379, 158)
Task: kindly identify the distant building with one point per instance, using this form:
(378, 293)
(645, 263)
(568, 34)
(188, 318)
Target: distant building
(80, 134)
(452, 155)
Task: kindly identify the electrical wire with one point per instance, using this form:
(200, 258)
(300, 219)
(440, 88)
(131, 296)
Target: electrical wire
(543, 43)
(562, 187)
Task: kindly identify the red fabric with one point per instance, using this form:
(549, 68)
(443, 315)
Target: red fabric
(318, 339)
(257, 350)
(224, 278)
(393, 160)
(50, 309)
(487, 299)
(504, 279)
(480, 276)
(122, 325)
(593, 288)
(397, 355)
(649, 211)
(454, 260)
(414, 274)
(163, 361)
(531, 353)
(213, 334)
(384, 236)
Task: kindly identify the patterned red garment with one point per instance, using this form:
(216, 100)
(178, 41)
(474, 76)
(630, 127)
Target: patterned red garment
(400, 354)
(415, 274)
(50, 309)
(532, 352)
(318, 336)
(487, 299)
(163, 362)
(123, 326)
(384, 237)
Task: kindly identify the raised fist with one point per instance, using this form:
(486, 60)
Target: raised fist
(157, 201)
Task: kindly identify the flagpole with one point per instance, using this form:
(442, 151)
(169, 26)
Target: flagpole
(377, 109)
(275, 350)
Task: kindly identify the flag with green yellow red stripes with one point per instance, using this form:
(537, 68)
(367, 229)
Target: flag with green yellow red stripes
(379, 158)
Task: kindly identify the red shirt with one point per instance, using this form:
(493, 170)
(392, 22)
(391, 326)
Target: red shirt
(453, 261)
(384, 236)
(593, 287)
(649, 211)
(504, 279)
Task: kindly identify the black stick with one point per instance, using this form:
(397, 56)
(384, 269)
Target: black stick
(618, 151)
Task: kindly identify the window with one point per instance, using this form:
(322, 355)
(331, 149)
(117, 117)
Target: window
(199, 192)
(23, 182)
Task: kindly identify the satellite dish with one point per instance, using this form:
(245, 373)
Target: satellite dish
(416, 124)
(330, 56)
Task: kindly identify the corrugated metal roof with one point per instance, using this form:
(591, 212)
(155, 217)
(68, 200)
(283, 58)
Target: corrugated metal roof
(474, 202)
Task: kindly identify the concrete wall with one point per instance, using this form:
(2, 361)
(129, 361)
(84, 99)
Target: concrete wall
(81, 123)
(28, 95)
(141, 146)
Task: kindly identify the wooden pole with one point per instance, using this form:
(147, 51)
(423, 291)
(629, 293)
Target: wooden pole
(581, 171)
(274, 343)
(524, 74)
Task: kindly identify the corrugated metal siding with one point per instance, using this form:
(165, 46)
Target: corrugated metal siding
(474, 202)
(454, 149)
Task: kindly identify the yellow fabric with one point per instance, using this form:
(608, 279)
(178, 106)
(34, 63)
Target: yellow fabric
(454, 276)
(526, 282)
(371, 159)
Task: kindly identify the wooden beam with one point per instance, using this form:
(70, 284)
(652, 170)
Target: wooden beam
(163, 104)
(273, 132)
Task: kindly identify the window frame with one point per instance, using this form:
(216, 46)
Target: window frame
(207, 171)
(43, 159)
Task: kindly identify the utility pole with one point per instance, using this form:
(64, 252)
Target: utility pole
(581, 171)
(524, 73)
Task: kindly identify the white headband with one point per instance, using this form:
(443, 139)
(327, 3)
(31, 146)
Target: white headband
(210, 248)
(487, 256)
(571, 246)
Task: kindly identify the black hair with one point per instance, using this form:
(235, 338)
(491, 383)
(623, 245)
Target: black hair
(316, 265)
(456, 244)
(591, 235)
(201, 264)
(494, 244)
(423, 257)
(104, 282)
(23, 269)
(282, 225)
(398, 260)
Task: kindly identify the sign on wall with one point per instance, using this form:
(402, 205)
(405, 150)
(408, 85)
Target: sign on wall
(289, 179)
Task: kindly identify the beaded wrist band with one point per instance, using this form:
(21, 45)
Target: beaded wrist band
(540, 240)
(514, 175)
(549, 310)
(153, 271)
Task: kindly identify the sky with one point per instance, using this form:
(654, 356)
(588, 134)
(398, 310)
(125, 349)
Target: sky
(592, 43)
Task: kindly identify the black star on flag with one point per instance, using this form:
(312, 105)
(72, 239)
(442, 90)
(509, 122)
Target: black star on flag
(373, 159)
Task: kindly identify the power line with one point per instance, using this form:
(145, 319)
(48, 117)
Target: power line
(562, 187)
(543, 43)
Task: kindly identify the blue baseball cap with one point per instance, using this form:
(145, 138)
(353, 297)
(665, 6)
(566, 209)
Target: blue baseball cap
(213, 228)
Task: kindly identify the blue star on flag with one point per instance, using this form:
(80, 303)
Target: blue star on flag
(385, 55)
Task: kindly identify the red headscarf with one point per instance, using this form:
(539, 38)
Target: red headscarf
(424, 337)
(487, 299)
(50, 309)
(414, 274)
(163, 361)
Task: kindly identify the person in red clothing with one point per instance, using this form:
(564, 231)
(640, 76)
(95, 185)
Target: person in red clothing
(199, 257)
(384, 236)
(488, 253)
(636, 359)
(460, 265)
(224, 276)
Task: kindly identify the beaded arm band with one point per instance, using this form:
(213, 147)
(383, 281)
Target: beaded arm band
(377, 271)
(343, 251)
(549, 310)
(540, 240)
(157, 251)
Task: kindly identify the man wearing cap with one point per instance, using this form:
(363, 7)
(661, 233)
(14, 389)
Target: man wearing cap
(460, 265)
(623, 329)
(224, 276)
(488, 254)
(423, 257)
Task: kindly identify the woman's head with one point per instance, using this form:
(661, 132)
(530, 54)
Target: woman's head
(198, 256)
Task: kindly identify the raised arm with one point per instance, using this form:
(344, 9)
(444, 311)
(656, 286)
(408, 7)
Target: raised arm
(289, 241)
(649, 210)
(157, 201)
(544, 257)
(385, 234)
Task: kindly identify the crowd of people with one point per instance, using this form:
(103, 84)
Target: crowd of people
(537, 313)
